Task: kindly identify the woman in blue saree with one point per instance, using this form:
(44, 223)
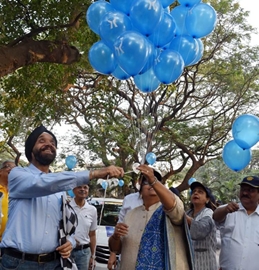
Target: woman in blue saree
(152, 236)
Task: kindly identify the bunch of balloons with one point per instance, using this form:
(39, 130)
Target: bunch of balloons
(146, 40)
(237, 152)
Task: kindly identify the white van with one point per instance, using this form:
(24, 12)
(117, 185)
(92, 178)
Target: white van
(108, 209)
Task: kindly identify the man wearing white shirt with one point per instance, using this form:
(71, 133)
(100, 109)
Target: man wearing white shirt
(129, 202)
(85, 234)
(239, 227)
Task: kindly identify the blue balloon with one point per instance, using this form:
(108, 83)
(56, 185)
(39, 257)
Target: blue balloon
(120, 74)
(131, 52)
(150, 158)
(113, 24)
(104, 184)
(164, 31)
(121, 183)
(140, 13)
(122, 5)
(147, 82)
(179, 14)
(95, 14)
(235, 157)
(71, 162)
(151, 58)
(245, 130)
(189, 3)
(191, 180)
(186, 46)
(169, 66)
(71, 193)
(102, 58)
(201, 20)
(200, 52)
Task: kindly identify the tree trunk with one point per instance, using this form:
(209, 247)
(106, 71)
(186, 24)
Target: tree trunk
(30, 52)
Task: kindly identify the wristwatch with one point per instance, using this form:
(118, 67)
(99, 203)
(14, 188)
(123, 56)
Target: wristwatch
(93, 257)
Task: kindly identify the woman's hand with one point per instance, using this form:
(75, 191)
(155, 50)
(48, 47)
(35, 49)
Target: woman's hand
(148, 172)
(121, 229)
(189, 220)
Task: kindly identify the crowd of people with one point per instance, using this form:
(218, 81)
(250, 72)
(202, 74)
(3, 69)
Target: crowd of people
(40, 229)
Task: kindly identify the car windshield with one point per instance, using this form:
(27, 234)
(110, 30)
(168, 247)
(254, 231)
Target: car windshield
(110, 212)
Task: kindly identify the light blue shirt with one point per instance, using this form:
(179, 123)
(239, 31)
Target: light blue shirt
(35, 207)
(240, 240)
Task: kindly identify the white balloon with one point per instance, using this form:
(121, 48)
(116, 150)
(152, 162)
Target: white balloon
(134, 167)
(115, 181)
(100, 180)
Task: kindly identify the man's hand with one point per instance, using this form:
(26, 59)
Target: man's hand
(232, 207)
(221, 212)
(111, 171)
(65, 249)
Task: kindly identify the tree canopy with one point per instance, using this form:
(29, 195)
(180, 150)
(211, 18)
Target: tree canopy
(185, 124)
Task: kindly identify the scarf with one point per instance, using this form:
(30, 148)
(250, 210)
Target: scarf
(153, 253)
(67, 226)
(157, 248)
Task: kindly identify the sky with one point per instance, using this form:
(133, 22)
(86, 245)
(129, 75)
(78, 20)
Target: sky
(251, 6)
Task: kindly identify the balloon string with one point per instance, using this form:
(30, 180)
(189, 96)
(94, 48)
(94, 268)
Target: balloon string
(104, 196)
(132, 172)
(145, 128)
(128, 172)
(101, 215)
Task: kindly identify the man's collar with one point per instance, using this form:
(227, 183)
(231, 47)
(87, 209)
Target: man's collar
(241, 207)
(34, 168)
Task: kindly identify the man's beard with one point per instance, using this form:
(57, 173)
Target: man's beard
(44, 159)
